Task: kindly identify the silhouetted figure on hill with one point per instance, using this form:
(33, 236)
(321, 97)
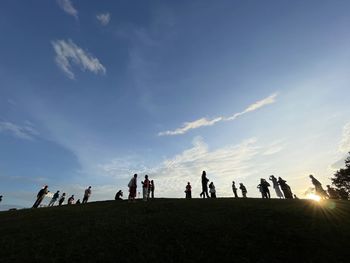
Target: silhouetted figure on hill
(87, 195)
(188, 191)
(260, 190)
(78, 202)
(285, 188)
(0, 198)
(234, 189)
(40, 196)
(145, 188)
(205, 181)
(152, 188)
(71, 200)
(264, 187)
(118, 195)
(212, 190)
(63, 197)
(132, 188)
(332, 193)
(276, 186)
(318, 187)
(54, 198)
(243, 189)
(295, 196)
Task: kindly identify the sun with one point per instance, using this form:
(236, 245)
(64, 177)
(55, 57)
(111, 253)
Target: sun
(314, 197)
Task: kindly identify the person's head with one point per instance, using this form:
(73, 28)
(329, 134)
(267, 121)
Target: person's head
(64, 194)
(311, 176)
(204, 173)
(89, 187)
(73, 196)
(152, 181)
(240, 183)
(146, 176)
(188, 183)
(135, 175)
(233, 182)
(45, 186)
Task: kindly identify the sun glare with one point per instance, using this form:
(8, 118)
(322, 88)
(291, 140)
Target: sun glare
(314, 197)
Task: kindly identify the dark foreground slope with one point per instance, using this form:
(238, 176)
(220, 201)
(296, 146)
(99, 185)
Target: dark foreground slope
(169, 230)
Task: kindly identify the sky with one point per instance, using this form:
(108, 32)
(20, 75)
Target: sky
(92, 92)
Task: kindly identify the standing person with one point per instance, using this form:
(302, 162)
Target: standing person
(118, 195)
(188, 191)
(40, 196)
(285, 188)
(212, 190)
(132, 188)
(63, 196)
(234, 189)
(318, 187)
(145, 188)
(54, 198)
(265, 188)
(243, 189)
(205, 181)
(152, 189)
(71, 200)
(276, 186)
(0, 198)
(87, 195)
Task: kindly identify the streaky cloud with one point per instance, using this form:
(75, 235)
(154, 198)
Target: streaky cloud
(68, 53)
(187, 126)
(67, 6)
(26, 132)
(104, 18)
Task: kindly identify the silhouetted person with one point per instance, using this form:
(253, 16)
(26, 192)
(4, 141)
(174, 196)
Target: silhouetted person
(188, 191)
(40, 196)
(318, 187)
(332, 193)
(0, 198)
(264, 187)
(118, 195)
(295, 196)
(54, 198)
(260, 190)
(152, 188)
(77, 202)
(63, 197)
(205, 181)
(132, 188)
(276, 186)
(87, 195)
(71, 200)
(212, 190)
(285, 188)
(145, 188)
(243, 189)
(234, 189)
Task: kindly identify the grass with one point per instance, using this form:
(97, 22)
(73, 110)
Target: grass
(178, 230)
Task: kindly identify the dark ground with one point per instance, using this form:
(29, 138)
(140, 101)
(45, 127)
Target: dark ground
(178, 230)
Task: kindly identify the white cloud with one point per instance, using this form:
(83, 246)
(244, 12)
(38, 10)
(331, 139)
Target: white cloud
(104, 18)
(26, 132)
(344, 145)
(192, 125)
(255, 106)
(187, 126)
(68, 53)
(68, 7)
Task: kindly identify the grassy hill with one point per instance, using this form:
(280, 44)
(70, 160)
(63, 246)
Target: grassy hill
(178, 230)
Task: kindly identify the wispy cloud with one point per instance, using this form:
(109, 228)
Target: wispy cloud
(344, 145)
(104, 18)
(187, 126)
(68, 7)
(68, 53)
(25, 132)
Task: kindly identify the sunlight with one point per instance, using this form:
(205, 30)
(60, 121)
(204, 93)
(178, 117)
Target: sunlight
(313, 197)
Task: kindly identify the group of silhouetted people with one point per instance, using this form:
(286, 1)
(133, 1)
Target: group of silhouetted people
(45, 190)
(282, 190)
(147, 188)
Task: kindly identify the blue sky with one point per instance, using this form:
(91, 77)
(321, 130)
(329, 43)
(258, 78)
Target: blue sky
(94, 91)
